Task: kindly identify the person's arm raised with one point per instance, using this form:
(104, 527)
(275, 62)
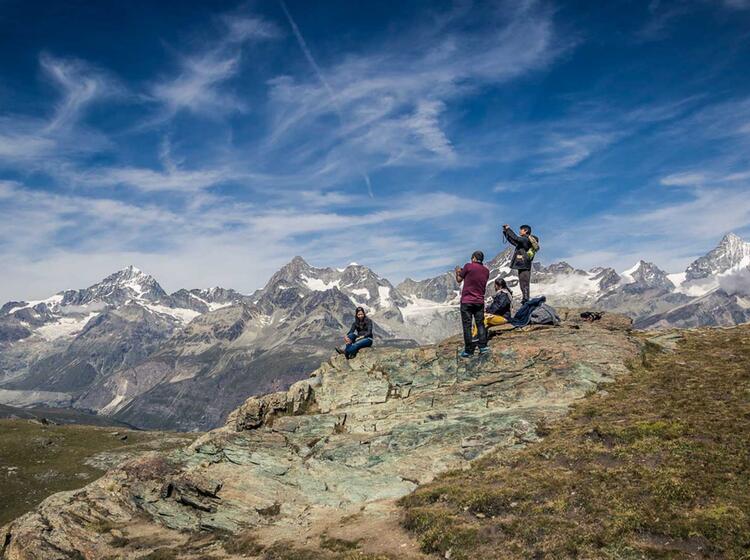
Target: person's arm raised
(459, 274)
(511, 236)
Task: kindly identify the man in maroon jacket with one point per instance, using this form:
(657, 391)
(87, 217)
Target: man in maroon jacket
(474, 276)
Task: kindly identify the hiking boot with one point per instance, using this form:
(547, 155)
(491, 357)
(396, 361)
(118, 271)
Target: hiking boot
(465, 354)
(338, 350)
(484, 350)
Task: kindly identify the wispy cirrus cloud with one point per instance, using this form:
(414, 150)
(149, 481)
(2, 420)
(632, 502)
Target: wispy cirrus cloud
(197, 85)
(79, 86)
(391, 103)
(564, 152)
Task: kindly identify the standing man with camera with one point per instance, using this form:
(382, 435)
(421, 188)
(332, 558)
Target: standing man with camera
(526, 247)
(474, 276)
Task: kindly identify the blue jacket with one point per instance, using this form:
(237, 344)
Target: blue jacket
(500, 305)
(523, 315)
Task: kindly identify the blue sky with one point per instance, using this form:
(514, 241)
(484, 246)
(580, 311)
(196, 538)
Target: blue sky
(209, 142)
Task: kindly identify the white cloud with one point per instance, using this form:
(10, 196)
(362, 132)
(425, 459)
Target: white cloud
(425, 124)
(151, 180)
(670, 234)
(197, 86)
(24, 138)
(564, 152)
(389, 102)
(79, 84)
(736, 283)
(687, 179)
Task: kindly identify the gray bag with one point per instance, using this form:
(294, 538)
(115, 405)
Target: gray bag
(544, 315)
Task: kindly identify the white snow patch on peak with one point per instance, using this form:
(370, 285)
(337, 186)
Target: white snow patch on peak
(135, 286)
(384, 293)
(627, 275)
(64, 327)
(52, 302)
(364, 292)
(570, 284)
(214, 305)
(318, 285)
(677, 278)
(179, 313)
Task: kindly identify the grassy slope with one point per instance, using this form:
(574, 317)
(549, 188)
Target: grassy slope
(657, 467)
(37, 460)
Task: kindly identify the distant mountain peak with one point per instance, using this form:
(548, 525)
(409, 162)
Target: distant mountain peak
(119, 287)
(731, 237)
(731, 252)
(646, 274)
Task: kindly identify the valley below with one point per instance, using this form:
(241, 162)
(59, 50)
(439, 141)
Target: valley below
(39, 458)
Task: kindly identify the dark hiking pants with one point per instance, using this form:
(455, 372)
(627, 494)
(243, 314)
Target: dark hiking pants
(473, 311)
(524, 279)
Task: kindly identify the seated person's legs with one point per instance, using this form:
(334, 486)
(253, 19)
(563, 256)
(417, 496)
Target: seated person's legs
(352, 349)
(494, 320)
(490, 321)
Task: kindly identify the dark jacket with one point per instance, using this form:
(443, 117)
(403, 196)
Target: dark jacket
(521, 260)
(361, 330)
(523, 315)
(500, 305)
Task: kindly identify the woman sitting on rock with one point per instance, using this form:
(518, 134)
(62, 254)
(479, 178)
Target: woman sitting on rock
(498, 312)
(359, 336)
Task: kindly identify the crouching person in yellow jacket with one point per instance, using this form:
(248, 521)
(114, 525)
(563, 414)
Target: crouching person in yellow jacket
(498, 312)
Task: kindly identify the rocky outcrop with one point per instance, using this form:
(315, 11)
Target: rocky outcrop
(351, 439)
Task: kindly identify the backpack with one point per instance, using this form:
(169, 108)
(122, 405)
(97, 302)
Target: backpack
(544, 315)
(534, 247)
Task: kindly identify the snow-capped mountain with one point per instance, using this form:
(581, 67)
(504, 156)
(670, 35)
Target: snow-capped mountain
(124, 347)
(732, 253)
(359, 283)
(705, 274)
(645, 275)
